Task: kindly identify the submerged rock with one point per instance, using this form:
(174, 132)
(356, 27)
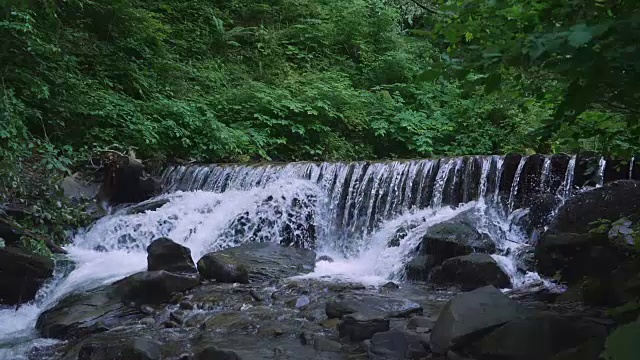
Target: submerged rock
(223, 268)
(21, 275)
(397, 345)
(214, 353)
(165, 254)
(137, 348)
(470, 315)
(470, 272)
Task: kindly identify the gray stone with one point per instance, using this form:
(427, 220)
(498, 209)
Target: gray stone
(223, 268)
(470, 315)
(321, 343)
(154, 287)
(537, 337)
(358, 327)
(396, 345)
(165, 254)
(420, 322)
(470, 272)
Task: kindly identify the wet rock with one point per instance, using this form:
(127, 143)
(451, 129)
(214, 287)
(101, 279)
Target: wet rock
(126, 181)
(185, 305)
(164, 254)
(154, 287)
(470, 272)
(390, 286)
(88, 313)
(537, 337)
(418, 268)
(270, 261)
(302, 302)
(420, 322)
(455, 237)
(138, 349)
(223, 268)
(149, 205)
(213, 353)
(452, 355)
(611, 201)
(21, 275)
(396, 345)
(326, 258)
(357, 327)
(468, 316)
(338, 309)
(321, 343)
(589, 350)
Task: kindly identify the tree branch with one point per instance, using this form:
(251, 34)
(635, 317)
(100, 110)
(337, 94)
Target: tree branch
(427, 8)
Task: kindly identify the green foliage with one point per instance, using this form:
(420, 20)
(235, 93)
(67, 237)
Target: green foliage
(623, 343)
(589, 47)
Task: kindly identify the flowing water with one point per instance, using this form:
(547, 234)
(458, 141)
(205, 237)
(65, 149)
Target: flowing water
(346, 210)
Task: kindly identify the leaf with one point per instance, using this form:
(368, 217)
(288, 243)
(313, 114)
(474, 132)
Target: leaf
(623, 343)
(580, 35)
(428, 75)
(492, 83)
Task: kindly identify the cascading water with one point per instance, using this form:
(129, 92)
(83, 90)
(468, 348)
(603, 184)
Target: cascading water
(346, 210)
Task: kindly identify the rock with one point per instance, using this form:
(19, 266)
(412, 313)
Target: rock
(611, 201)
(75, 188)
(470, 272)
(396, 345)
(80, 314)
(149, 205)
(338, 309)
(453, 238)
(125, 349)
(125, 181)
(9, 234)
(154, 287)
(420, 322)
(302, 302)
(326, 258)
(391, 286)
(452, 355)
(575, 256)
(321, 343)
(164, 254)
(590, 350)
(270, 261)
(21, 275)
(357, 327)
(418, 268)
(468, 316)
(185, 305)
(223, 268)
(537, 337)
(213, 353)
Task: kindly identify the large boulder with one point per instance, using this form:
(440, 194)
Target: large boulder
(470, 272)
(164, 254)
(454, 238)
(21, 275)
(611, 202)
(264, 261)
(154, 287)
(223, 268)
(126, 181)
(539, 336)
(397, 345)
(571, 247)
(107, 307)
(469, 316)
(87, 313)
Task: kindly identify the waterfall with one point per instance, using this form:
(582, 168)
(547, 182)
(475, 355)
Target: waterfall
(515, 183)
(346, 210)
(633, 160)
(602, 164)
